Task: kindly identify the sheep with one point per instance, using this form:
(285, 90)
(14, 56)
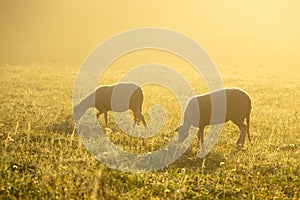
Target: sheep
(118, 98)
(238, 108)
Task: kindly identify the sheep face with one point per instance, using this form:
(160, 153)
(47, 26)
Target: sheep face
(78, 112)
(183, 133)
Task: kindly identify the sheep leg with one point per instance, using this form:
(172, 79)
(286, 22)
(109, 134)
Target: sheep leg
(98, 114)
(141, 118)
(134, 119)
(105, 117)
(248, 125)
(200, 134)
(243, 128)
(241, 140)
(200, 138)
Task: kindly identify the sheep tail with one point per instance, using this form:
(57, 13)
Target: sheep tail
(248, 125)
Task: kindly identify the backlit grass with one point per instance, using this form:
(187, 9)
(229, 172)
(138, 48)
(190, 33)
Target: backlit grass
(43, 157)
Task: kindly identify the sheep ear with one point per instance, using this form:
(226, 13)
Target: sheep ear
(75, 107)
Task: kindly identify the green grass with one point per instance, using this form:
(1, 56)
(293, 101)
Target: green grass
(42, 156)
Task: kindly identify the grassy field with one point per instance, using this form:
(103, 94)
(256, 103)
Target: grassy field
(42, 156)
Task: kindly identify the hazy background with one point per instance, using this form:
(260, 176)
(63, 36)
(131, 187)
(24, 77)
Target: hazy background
(233, 32)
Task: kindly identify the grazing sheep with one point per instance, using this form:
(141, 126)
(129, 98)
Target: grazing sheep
(117, 98)
(238, 108)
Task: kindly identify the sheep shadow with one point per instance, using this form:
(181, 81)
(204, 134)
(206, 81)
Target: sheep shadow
(65, 126)
(191, 161)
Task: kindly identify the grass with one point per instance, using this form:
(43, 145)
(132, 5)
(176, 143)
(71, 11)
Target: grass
(43, 157)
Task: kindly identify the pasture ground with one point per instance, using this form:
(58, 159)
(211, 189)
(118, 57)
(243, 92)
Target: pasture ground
(42, 156)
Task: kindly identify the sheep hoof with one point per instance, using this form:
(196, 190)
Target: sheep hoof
(239, 147)
(107, 130)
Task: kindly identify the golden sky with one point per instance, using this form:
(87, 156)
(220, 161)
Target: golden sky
(234, 32)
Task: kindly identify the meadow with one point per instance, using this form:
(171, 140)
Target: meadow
(42, 156)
